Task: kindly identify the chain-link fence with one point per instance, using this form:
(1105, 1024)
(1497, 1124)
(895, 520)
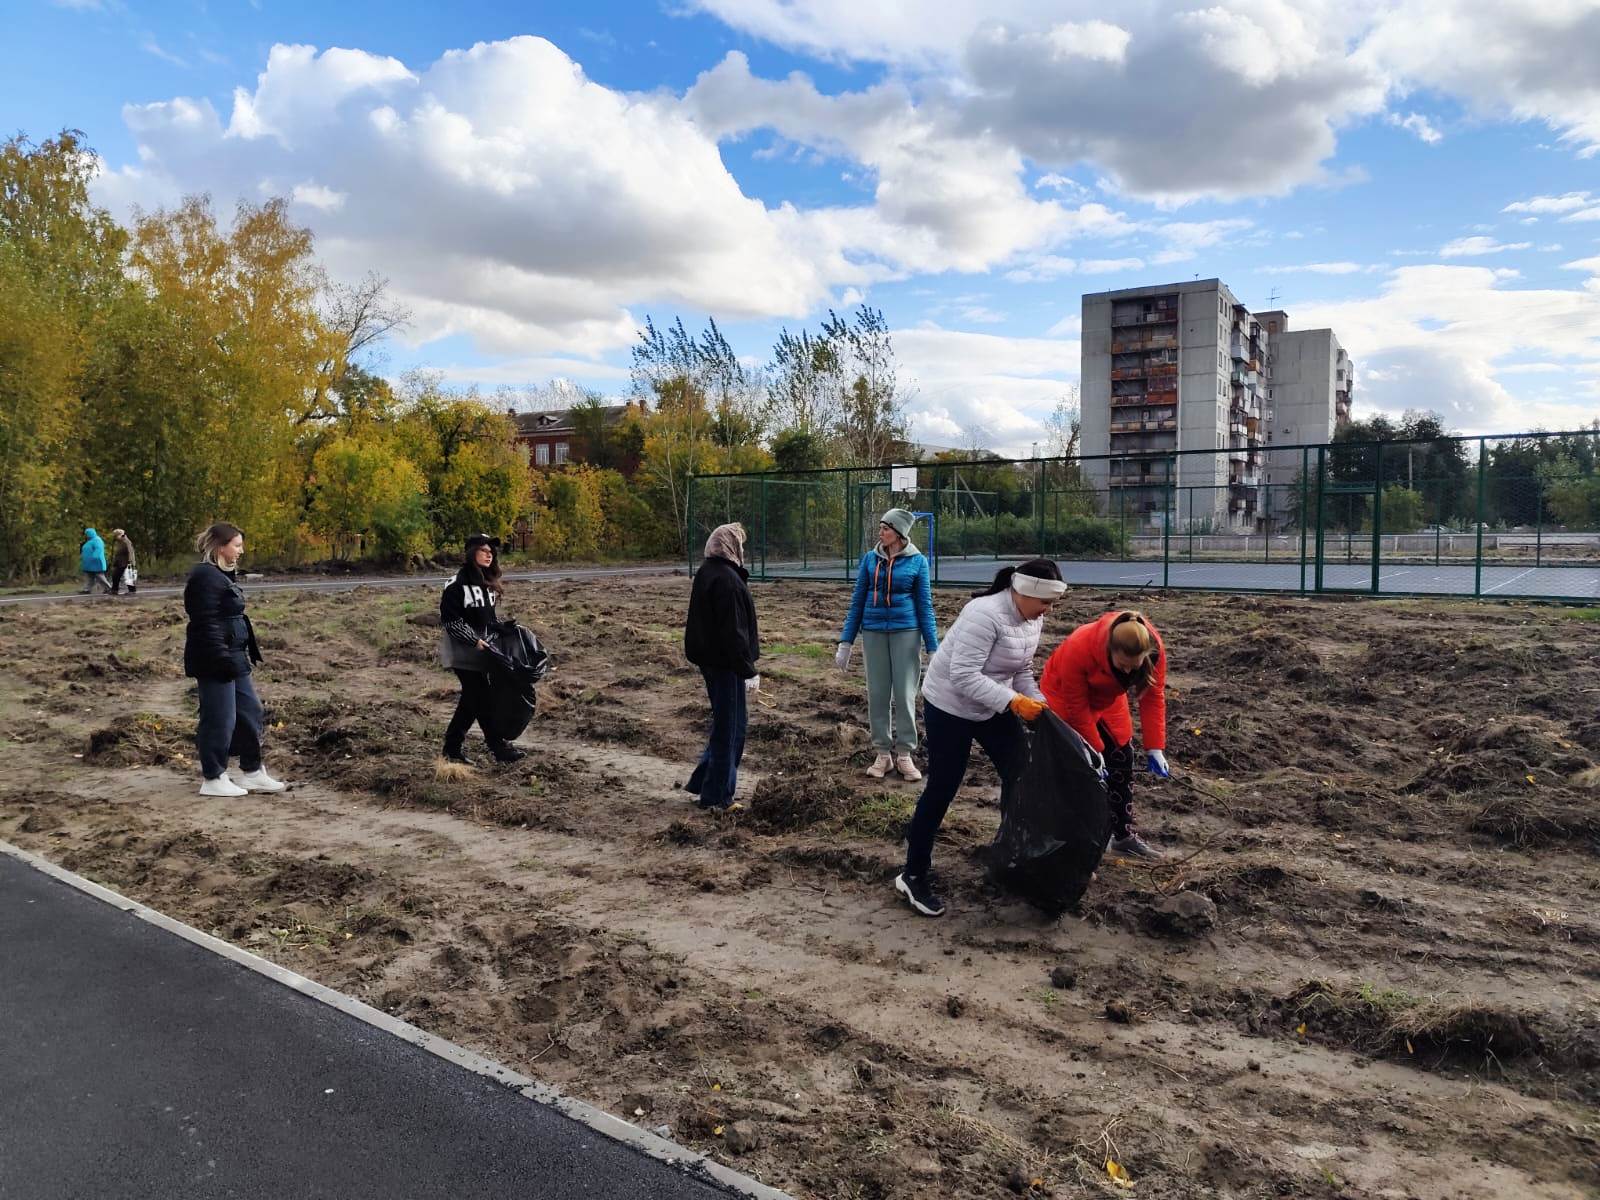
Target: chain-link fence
(1513, 516)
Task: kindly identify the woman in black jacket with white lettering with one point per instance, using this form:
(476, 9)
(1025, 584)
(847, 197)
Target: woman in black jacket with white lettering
(466, 610)
(219, 650)
(720, 637)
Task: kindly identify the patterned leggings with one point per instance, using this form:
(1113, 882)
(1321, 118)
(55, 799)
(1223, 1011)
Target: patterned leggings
(1119, 782)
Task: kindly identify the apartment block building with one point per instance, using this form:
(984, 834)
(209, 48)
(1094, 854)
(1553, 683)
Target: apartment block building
(1187, 367)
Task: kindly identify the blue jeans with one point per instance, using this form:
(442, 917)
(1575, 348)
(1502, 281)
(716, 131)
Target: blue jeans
(717, 773)
(230, 724)
(949, 740)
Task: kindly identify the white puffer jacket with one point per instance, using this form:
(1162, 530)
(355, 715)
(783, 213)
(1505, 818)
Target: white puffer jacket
(986, 658)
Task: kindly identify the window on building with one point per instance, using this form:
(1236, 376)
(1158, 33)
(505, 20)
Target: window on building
(541, 454)
(561, 452)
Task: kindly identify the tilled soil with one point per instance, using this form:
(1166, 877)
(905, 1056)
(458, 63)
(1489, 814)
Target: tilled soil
(1368, 967)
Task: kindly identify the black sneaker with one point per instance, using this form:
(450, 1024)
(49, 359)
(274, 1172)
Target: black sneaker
(1134, 846)
(458, 756)
(509, 754)
(918, 891)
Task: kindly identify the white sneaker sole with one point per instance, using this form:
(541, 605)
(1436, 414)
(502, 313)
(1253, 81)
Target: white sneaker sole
(901, 887)
(251, 787)
(230, 794)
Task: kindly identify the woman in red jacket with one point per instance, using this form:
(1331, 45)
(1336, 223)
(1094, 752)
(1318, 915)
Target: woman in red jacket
(1087, 682)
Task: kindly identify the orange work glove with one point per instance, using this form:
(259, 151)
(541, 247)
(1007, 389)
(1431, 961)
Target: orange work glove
(1026, 708)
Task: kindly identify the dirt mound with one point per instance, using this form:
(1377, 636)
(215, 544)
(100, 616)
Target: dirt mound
(140, 740)
(1532, 818)
(1434, 1035)
(782, 803)
(1271, 652)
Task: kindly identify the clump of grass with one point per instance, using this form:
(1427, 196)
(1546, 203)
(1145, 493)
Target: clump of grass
(882, 815)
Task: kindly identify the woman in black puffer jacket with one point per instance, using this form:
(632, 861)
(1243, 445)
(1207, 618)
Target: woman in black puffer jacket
(219, 651)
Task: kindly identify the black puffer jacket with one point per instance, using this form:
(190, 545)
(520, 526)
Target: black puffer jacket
(721, 632)
(221, 642)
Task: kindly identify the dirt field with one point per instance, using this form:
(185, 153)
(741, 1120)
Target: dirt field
(1383, 983)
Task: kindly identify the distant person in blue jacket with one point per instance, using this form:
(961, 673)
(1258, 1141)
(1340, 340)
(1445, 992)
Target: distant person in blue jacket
(92, 562)
(892, 609)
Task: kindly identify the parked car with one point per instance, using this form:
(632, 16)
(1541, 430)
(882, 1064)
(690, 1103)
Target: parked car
(1436, 529)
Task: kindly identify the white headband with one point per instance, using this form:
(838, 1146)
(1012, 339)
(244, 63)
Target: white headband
(1038, 589)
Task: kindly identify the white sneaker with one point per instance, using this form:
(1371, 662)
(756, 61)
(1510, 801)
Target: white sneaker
(259, 781)
(907, 768)
(221, 786)
(880, 768)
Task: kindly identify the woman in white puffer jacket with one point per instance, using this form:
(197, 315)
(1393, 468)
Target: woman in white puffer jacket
(977, 687)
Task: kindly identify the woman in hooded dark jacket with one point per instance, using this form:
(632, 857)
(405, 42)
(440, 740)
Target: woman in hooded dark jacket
(720, 637)
(467, 612)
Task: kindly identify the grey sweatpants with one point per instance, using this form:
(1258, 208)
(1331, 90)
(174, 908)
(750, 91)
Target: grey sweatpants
(894, 669)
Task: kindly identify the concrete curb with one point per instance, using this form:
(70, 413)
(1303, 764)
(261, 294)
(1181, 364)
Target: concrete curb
(596, 1119)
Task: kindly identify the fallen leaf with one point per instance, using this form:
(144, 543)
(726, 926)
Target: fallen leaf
(1409, 1050)
(1118, 1175)
(1197, 731)
(716, 1087)
(1531, 779)
(1301, 1029)
(717, 1131)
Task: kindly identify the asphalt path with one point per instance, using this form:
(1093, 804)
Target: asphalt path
(310, 583)
(137, 1062)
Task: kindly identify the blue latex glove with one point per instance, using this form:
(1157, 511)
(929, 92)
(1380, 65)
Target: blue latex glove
(1157, 764)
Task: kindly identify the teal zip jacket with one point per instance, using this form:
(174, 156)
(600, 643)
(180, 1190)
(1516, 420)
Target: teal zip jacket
(893, 594)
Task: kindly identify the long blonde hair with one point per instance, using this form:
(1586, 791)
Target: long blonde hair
(1130, 635)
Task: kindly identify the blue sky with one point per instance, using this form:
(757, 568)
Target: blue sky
(535, 178)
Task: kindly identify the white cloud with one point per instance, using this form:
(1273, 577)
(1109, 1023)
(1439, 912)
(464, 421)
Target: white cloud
(1439, 337)
(1591, 265)
(1005, 386)
(1584, 214)
(156, 50)
(1551, 204)
(317, 196)
(1318, 268)
(1060, 183)
(1417, 124)
(1473, 247)
(508, 197)
(1221, 98)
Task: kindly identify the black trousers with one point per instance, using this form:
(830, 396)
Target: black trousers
(1119, 782)
(473, 705)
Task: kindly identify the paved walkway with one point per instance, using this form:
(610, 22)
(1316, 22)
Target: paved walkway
(317, 583)
(135, 1063)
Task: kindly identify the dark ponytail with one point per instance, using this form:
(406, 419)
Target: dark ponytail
(1039, 568)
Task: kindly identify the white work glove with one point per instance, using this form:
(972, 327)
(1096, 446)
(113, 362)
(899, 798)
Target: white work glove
(753, 684)
(841, 656)
(1157, 763)
(1098, 761)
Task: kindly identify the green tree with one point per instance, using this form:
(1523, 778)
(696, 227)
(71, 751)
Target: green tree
(61, 268)
(1403, 509)
(367, 497)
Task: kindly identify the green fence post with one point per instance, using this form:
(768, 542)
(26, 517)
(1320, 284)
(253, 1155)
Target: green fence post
(1483, 465)
(849, 515)
(1305, 500)
(1377, 514)
(1322, 458)
(997, 525)
(933, 534)
(1122, 524)
(1038, 505)
(1190, 490)
(688, 523)
(805, 531)
(1166, 532)
(1538, 523)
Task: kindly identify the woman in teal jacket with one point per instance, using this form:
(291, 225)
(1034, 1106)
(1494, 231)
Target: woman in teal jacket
(892, 609)
(92, 562)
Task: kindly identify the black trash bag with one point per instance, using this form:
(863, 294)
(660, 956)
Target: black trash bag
(517, 663)
(1055, 817)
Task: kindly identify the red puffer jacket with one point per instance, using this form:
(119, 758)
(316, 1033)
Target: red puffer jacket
(1081, 688)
